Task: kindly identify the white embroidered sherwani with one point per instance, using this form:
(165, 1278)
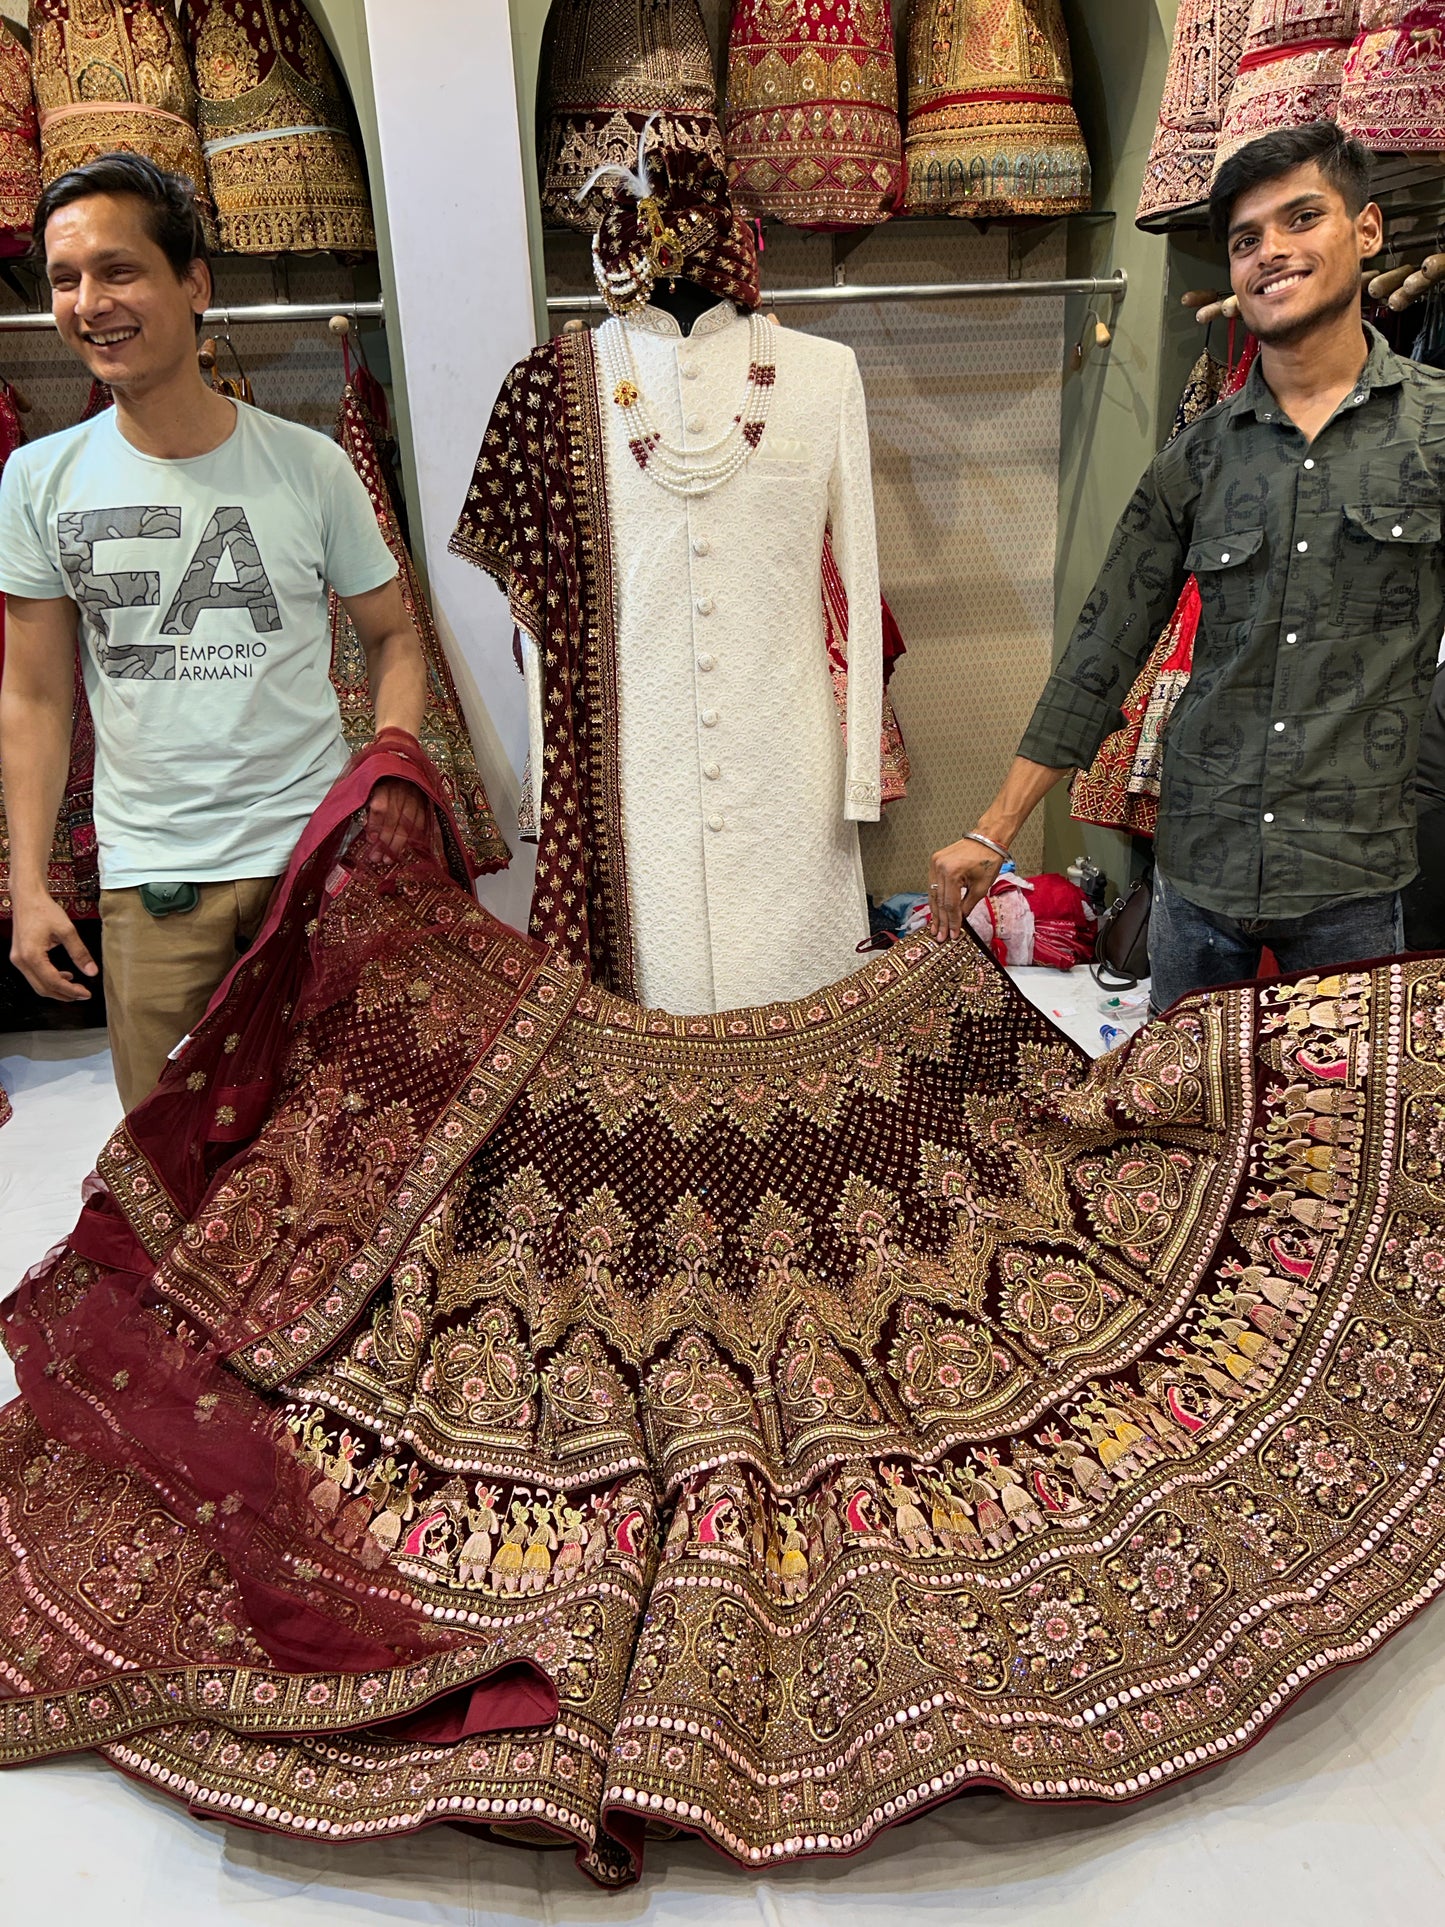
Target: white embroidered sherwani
(739, 801)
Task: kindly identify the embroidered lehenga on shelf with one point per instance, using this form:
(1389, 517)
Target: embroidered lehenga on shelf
(282, 164)
(19, 145)
(114, 74)
(470, 1397)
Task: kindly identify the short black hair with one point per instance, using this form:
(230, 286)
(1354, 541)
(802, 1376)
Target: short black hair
(1344, 162)
(169, 201)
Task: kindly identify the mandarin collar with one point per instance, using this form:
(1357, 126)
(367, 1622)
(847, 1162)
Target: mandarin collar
(657, 321)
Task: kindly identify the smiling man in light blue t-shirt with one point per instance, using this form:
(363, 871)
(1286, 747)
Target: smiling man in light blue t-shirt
(187, 544)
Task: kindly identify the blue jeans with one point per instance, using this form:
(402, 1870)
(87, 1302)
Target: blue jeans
(1191, 948)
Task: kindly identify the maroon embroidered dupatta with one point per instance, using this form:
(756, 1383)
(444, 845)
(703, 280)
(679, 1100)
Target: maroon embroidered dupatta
(536, 518)
(470, 1397)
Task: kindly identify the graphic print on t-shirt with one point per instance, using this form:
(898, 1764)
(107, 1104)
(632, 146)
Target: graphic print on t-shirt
(225, 572)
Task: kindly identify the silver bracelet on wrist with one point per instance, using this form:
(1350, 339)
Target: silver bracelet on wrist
(977, 836)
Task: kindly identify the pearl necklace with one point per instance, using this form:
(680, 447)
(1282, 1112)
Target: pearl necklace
(689, 471)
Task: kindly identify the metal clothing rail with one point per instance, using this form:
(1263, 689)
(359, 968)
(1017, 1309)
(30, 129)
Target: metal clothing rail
(1112, 287)
(237, 317)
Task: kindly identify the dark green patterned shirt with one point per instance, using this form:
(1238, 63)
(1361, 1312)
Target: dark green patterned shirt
(1290, 762)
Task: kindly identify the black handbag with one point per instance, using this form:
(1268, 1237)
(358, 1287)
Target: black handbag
(1121, 952)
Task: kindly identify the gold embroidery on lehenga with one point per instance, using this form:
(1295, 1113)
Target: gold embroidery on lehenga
(113, 74)
(282, 166)
(834, 1400)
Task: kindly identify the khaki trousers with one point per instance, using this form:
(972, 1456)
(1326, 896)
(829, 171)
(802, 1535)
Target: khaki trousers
(161, 972)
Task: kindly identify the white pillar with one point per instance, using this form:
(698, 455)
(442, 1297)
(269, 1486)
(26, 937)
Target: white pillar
(446, 108)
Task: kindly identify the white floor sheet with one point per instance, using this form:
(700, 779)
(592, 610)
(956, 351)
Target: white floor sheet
(1333, 1820)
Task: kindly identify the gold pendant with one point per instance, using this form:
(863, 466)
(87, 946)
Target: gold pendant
(625, 394)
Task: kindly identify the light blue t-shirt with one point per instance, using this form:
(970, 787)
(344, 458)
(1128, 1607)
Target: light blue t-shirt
(204, 631)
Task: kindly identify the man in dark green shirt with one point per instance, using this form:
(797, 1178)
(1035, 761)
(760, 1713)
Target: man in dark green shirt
(1309, 509)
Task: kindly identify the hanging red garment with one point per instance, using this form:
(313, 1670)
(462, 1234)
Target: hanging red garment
(894, 769)
(362, 429)
(1120, 791)
(74, 877)
(19, 144)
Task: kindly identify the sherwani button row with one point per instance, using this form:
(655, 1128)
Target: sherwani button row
(705, 605)
(714, 822)
(706, 663)
(701, 545)
(709, 719)
(711, 771)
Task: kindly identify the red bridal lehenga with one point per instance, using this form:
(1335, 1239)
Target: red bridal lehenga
(469, 1397)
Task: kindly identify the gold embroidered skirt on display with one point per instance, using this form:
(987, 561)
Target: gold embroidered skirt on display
(1393, 97)
(19, 145)
(992, 130)
(283, 167)
(1208, 40)
(812, 112)
(113, 74)
(467, 1396)
(1291, 70)
(607, 67)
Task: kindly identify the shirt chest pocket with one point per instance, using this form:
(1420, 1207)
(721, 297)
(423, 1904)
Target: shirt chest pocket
(1382, 554)
(1225, 566)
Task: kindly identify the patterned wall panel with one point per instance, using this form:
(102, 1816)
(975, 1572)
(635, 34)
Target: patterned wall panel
(295, 368)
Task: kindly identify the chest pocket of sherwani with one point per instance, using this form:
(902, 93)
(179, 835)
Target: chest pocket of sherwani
(1227, 572)
(1382, 553)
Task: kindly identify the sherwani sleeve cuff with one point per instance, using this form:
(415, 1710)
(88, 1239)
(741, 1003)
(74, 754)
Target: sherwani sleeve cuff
(536, 738)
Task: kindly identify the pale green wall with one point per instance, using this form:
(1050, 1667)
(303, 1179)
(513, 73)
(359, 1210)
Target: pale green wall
(1117, 413)
(528, 19)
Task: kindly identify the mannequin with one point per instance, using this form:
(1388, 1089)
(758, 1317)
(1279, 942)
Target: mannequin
(685, 301)
(656, 496)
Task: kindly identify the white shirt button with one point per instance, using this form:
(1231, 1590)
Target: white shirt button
(1269, 816)
(1293, 636)
(1399, 529)
(701, 545)
(705, 663)
(705, 605)
(714, 822)
(1279, 729)
(694, 424)
(1225, 556)
(1309, 461)
(1302, 547)
(711, 772)
(709, 719)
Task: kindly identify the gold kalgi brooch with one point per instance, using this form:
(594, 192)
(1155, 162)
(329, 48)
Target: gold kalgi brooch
(625, 394)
